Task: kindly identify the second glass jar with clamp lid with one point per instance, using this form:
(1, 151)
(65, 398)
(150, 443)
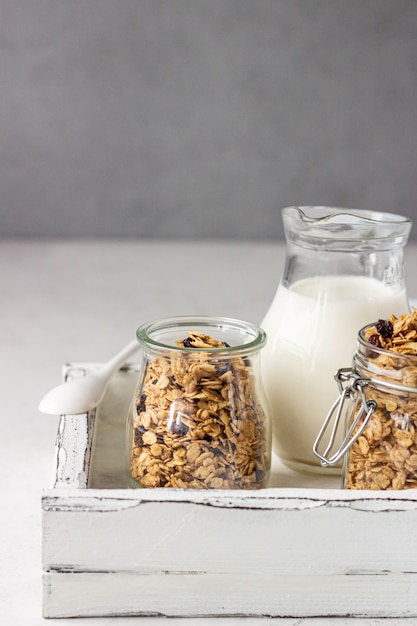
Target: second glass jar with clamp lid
(376, 411)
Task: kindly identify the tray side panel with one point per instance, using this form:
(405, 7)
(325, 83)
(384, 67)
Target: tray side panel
(189, 594)
(296, 537)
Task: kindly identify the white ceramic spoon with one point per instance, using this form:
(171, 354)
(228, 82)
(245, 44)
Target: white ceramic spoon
(83, 394)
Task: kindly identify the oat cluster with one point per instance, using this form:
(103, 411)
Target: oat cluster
(198, 422)
(398, 334)
(385, 455)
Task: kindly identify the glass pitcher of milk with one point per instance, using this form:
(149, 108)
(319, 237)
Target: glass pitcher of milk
(344, 269)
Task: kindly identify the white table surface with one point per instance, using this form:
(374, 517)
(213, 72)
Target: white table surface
(79, 300)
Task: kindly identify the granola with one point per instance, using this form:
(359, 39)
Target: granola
(198, 422)
(385, 455)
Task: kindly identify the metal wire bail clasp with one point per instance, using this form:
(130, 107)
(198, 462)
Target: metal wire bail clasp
(351, 391)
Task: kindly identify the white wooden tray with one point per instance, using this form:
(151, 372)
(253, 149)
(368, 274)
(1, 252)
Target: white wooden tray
(302, 547)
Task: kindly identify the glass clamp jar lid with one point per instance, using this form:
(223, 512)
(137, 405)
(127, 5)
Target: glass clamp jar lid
(198, 417)
(376, 410)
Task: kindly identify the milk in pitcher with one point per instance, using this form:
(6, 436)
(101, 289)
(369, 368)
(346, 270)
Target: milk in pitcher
(312, 328)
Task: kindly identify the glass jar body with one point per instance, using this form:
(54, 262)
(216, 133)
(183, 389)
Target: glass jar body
(198, 418)
(343, 269)
(384, 456)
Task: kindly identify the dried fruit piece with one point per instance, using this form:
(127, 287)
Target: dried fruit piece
(374, 340)
(385, 328)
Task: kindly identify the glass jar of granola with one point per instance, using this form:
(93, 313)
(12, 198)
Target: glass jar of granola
(378, 402)
(198, 417)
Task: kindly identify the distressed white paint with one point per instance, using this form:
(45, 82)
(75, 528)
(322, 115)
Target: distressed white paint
(212, 594)
(73, 443)
(296, 549)
(73, 450)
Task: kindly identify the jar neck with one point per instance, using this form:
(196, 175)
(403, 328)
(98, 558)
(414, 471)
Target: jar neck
(233, 338)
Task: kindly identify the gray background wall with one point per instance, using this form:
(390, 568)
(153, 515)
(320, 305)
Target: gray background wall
(159, 118)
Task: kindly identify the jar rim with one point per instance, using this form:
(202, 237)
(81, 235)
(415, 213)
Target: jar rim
(195, 322)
